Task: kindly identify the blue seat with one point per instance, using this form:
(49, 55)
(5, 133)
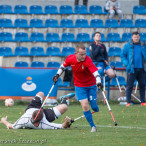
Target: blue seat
(53, 64)
(36, 9)
(66, 9)
(52, 37)
(51, 23)
(6, 36)
(5, 9)
(37, 51)
(114, 51)
(111, 23)
(51, 9)
(96, 23)
(63, 84)
(116, 64)
(21, 51)
(81, 23)
(20, 9)
(68, 51)
(6, 51)
(22, 23)
(66, 23)
(21, 37)
(38, 64)
(36, 23)
(53, 51)
(102, 37)
(128, 23)
(140, 9)
(68, 37)
(21, 64)
(140, 23)
(80, 9)
(37, 37)
(83, 37)
(6, 22)
(113, 37)
(95, 9)
(142, 36)
(120, 79)
(126, 36)
(87, 52)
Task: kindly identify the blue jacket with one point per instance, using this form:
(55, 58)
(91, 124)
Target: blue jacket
(127, 56)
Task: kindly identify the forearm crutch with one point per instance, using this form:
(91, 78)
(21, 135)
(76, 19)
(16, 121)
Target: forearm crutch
(109, 108)
(135, 89)
(132, 95)
(119, 86)
(44, 102)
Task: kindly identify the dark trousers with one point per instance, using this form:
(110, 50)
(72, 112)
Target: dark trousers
(85, 2)
(139, 75)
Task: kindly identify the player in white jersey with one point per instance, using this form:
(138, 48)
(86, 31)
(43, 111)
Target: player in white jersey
(45, 117)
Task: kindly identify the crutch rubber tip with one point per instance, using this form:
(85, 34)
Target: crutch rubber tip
(116, 124)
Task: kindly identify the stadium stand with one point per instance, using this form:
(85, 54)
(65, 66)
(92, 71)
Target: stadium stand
(6, 23)
(80, 9)
(6, 9)
(83, 37)
(22, 23)
(139, 9)
(6, 36)
(66, 23)
(20, 9)
(37, 37)
(116, 64)
(143, 36)
(53, 51)
(21, 64)
(37, 51)
(36, 9)
(95, 9)
(120, 79)
(51, 9)
(68, 51)
(36, 23)
(66, 9)
(6, 51)
(140, 23)
(126, 36)
(113, 37)
(128, 23)
(38, 64)
(21, 51)
(114, 51)
(51, 23)
(21, 37)
(52, 37)
(53, 64)
(81, 23)
(111, 23)
(68, 37)
(96, 23)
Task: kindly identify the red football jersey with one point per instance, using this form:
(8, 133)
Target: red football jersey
(82, 71)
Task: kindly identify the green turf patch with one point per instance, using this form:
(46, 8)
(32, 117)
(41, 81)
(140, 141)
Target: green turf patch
(131, 129)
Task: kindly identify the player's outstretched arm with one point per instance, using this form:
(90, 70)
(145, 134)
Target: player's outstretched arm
(66, 124)
(5, 122)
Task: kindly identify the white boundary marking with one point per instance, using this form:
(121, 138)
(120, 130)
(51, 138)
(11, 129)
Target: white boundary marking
(104, 126)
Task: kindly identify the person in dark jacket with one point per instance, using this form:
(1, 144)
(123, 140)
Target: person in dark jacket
(133, 57)
(85, 2)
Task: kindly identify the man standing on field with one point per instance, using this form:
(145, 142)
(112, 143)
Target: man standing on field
(86, 77)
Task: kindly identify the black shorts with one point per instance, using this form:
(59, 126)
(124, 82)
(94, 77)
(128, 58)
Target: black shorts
(50, 115)
(49, 112)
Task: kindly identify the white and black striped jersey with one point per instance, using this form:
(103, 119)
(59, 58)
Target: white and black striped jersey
(24, 122)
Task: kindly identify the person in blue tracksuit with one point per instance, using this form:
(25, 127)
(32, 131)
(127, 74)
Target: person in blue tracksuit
(133, 57)
(99, 56)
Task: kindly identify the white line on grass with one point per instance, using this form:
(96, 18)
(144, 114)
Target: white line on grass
(124, 127)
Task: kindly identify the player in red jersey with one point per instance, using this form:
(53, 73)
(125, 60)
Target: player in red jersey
(86, 77)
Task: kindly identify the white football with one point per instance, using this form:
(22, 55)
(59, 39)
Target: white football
(9, 102)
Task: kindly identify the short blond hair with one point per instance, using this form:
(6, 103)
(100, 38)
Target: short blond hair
(79, 46)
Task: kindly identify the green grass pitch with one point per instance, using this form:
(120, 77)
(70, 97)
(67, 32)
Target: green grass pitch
(131, 129)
